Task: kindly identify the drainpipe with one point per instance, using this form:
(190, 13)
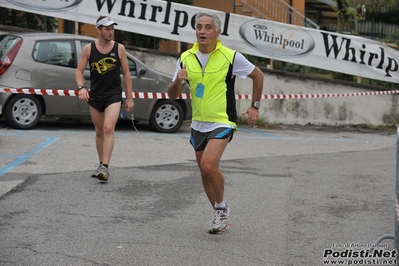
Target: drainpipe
(291, 11)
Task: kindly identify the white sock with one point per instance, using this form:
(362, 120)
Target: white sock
(221, 205)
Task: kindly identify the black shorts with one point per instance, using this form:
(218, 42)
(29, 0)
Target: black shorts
(199, 139)
(102, 105)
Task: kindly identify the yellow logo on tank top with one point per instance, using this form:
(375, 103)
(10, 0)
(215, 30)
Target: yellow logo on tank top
(104, 65)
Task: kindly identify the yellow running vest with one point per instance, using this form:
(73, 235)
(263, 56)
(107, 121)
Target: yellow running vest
(212, 91)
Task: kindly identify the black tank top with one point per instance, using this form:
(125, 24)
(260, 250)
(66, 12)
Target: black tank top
(105, 79)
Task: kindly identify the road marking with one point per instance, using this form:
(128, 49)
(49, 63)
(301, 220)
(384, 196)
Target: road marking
(259, 133)
(21, 159)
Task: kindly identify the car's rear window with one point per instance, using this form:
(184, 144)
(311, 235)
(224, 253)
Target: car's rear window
(55, 52)
(6, 42)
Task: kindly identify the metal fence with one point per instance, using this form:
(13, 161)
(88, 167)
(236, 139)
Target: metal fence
(369, 29)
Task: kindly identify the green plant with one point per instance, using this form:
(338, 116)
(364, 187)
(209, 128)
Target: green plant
(290, 67)
(28, 20)
(392, 39)
(384, 11)
(346, 14)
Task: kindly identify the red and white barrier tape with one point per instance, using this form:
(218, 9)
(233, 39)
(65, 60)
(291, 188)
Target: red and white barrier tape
(164, 95)
(325, 95)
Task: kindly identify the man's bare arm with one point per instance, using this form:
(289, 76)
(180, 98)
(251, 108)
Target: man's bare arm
(175, 87)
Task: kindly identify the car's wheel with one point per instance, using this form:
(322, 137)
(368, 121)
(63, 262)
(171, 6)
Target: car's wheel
(167, 116)
(23, 111)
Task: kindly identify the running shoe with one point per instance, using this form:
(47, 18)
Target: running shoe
(97, 172)
(103, 173)
(220, 220)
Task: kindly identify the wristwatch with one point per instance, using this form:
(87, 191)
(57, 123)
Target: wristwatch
(256, 104)
(81, 87)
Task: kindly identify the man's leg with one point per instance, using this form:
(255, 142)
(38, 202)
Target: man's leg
(212, 178)
(213, 182)
(111, 115)
(104, 123)
(98, 120)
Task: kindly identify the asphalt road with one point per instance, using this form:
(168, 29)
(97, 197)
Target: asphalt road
(296, 194)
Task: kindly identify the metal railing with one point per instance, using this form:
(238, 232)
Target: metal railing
(277, 10)
(370, 29)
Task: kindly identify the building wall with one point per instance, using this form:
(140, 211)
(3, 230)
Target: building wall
(85, 29)
(299, 5)
(89, 30)
(237, 6)
(220, 5)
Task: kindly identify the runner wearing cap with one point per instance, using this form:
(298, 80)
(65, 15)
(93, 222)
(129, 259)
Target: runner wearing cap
(106, 58)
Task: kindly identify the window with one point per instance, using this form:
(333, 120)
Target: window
(60, 53)
(83, 44)
(132, 67)
(6, 42)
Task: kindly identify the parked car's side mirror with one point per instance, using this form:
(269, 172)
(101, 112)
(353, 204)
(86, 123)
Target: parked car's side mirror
(142, 71)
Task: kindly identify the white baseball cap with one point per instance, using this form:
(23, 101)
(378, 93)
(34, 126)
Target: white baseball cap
(107, 21)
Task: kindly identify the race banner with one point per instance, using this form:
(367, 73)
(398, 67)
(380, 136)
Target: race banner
(264, 38)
